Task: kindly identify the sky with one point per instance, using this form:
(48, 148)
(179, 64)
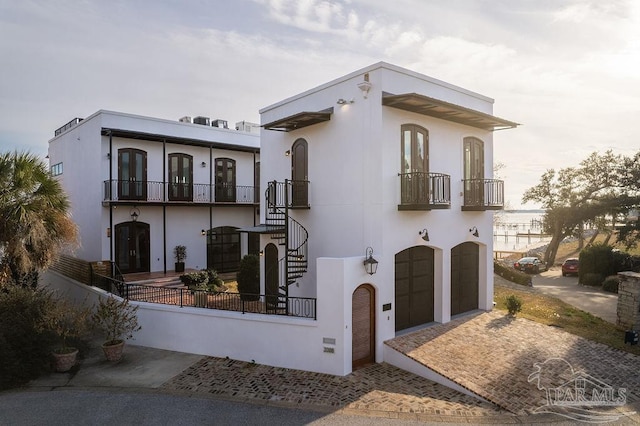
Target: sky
(567, 70)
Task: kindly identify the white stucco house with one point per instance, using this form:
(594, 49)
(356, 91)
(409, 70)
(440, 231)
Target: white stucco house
(139, 186)
(370, 200)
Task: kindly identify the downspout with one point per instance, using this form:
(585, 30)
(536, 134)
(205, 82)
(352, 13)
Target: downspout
(111, 202)
(164, 205)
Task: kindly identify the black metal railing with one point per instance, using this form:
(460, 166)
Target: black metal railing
(300, 307)
(290, 193)
(431, 190)
(160, 192)
(483, 194)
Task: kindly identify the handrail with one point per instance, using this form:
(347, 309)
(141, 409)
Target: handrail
(160, 192)
(483, 192)
(430, 189)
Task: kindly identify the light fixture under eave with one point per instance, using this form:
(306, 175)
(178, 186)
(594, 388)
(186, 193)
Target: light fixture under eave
(425, 234)
(135, 213)
(370, 264)
(474, 232)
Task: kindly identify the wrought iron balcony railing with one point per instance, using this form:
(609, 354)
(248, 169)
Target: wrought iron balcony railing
(165, 192)
(483, 194)
(424, 191)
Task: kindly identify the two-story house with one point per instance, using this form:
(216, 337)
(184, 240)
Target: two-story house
(139, 186)
(394, 166)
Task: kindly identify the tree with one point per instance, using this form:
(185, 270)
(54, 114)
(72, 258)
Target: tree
(575, 195)
(34, 222)
(630, 179)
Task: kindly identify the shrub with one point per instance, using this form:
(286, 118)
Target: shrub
(592, 279)
(116, 318)
(204, 280)
(249, 278)
(25, 340)
(610, 284)
(511, 274)
(514, 305)
(596, 259)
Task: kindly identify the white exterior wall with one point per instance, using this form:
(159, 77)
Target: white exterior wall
(354, 191)
(86, 165)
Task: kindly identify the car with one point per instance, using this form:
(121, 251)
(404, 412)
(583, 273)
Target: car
(570, 267)
(530, 264)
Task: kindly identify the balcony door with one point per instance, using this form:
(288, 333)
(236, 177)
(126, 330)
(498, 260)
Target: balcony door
(132, 174)
(180, 177)
(299, 174)
(225, 180)
(473, 172)
(415, 164)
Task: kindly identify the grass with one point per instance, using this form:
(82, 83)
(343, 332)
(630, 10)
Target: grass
(570, 249)
(554, 312)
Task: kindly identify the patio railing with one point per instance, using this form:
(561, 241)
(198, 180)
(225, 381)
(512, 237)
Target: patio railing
(301, 307)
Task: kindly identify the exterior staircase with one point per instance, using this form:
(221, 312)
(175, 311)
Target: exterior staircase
(291, 236)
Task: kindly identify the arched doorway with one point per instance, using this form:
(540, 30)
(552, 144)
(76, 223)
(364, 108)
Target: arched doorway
(414, 269)
(363, 333)
(464, 277)
(299, 173)
(271, 275)
(132, 247)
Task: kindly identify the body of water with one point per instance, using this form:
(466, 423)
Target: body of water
(511, 230)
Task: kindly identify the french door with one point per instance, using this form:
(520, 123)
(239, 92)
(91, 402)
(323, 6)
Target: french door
(225, 180)
(473, 172)
(132, 174)
(132, 247)
(180, 177)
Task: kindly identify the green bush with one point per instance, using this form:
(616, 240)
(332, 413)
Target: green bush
(204, 280)
(592, 279)
(514, 304)
(513, 275)
(26, 341)
(249, 278)
(596, 259)
(610, 284)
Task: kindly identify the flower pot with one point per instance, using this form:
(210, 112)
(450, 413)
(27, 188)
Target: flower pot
(64, 361)
(179, 267)
(113, 352)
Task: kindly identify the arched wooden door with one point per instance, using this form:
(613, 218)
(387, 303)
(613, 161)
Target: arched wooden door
(299, 173)
(271, 276)
(464, 277)
(363, 340)
(414, 287)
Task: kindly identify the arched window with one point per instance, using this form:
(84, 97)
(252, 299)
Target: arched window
(225, 180)
(132, 174)
(300, 173)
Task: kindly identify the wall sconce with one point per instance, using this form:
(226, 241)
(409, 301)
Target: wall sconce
(370, 264)
(474, 232)
(203, 232)
(342, 101)
(135, 213)
(287, 152)
(425, 234)
(108, 232)
(203, 164)
(365, 86)
(261, 253)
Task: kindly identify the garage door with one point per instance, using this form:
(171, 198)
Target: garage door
(414, 287)
(464, 278)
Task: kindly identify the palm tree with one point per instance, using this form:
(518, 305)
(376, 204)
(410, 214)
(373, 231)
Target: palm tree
(34, 222)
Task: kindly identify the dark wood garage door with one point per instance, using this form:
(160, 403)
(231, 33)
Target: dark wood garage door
(464, 278)
(414, 287)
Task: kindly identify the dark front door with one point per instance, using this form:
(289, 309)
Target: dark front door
(299, 174)
(414, 287)
(271, 276)
(363, 326)
(223, 249)
(473, 172)
(180, 177)
(132, 247)
(225, 180)
(464, 278)
(132, 174)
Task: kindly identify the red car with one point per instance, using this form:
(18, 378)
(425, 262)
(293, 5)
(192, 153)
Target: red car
(569, 267)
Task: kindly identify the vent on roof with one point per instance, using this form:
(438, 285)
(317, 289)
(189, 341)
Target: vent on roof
(201, 120)
(245, 126)
(220, 123)
(185, 119)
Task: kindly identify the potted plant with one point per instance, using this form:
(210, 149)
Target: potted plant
(118, 320)
(68, 321)
(198, 283)
(180, 253)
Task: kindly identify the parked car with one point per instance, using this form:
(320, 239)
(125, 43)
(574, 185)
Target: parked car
(530, 264)
(570, 266)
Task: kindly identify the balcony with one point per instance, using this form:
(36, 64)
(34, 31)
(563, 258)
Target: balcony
(150, 192)
(424, 191)
(483, 194)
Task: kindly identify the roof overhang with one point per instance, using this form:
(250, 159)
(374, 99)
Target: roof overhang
(262, 229)
(432, 107)
(300, 120)
(131, 134)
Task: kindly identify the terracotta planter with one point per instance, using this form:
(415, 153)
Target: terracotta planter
(63, 362)
(113, 352)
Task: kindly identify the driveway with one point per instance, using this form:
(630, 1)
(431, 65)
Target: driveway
(590, 299)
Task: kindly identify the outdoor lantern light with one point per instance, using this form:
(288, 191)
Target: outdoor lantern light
(287, 152)
(135, 213)
(370, 264)
(203, 232)
(203, 164)
(474, 232)
(425, 234)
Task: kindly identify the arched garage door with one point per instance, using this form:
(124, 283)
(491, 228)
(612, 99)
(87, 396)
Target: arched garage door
(414, 287)
(464, 278)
